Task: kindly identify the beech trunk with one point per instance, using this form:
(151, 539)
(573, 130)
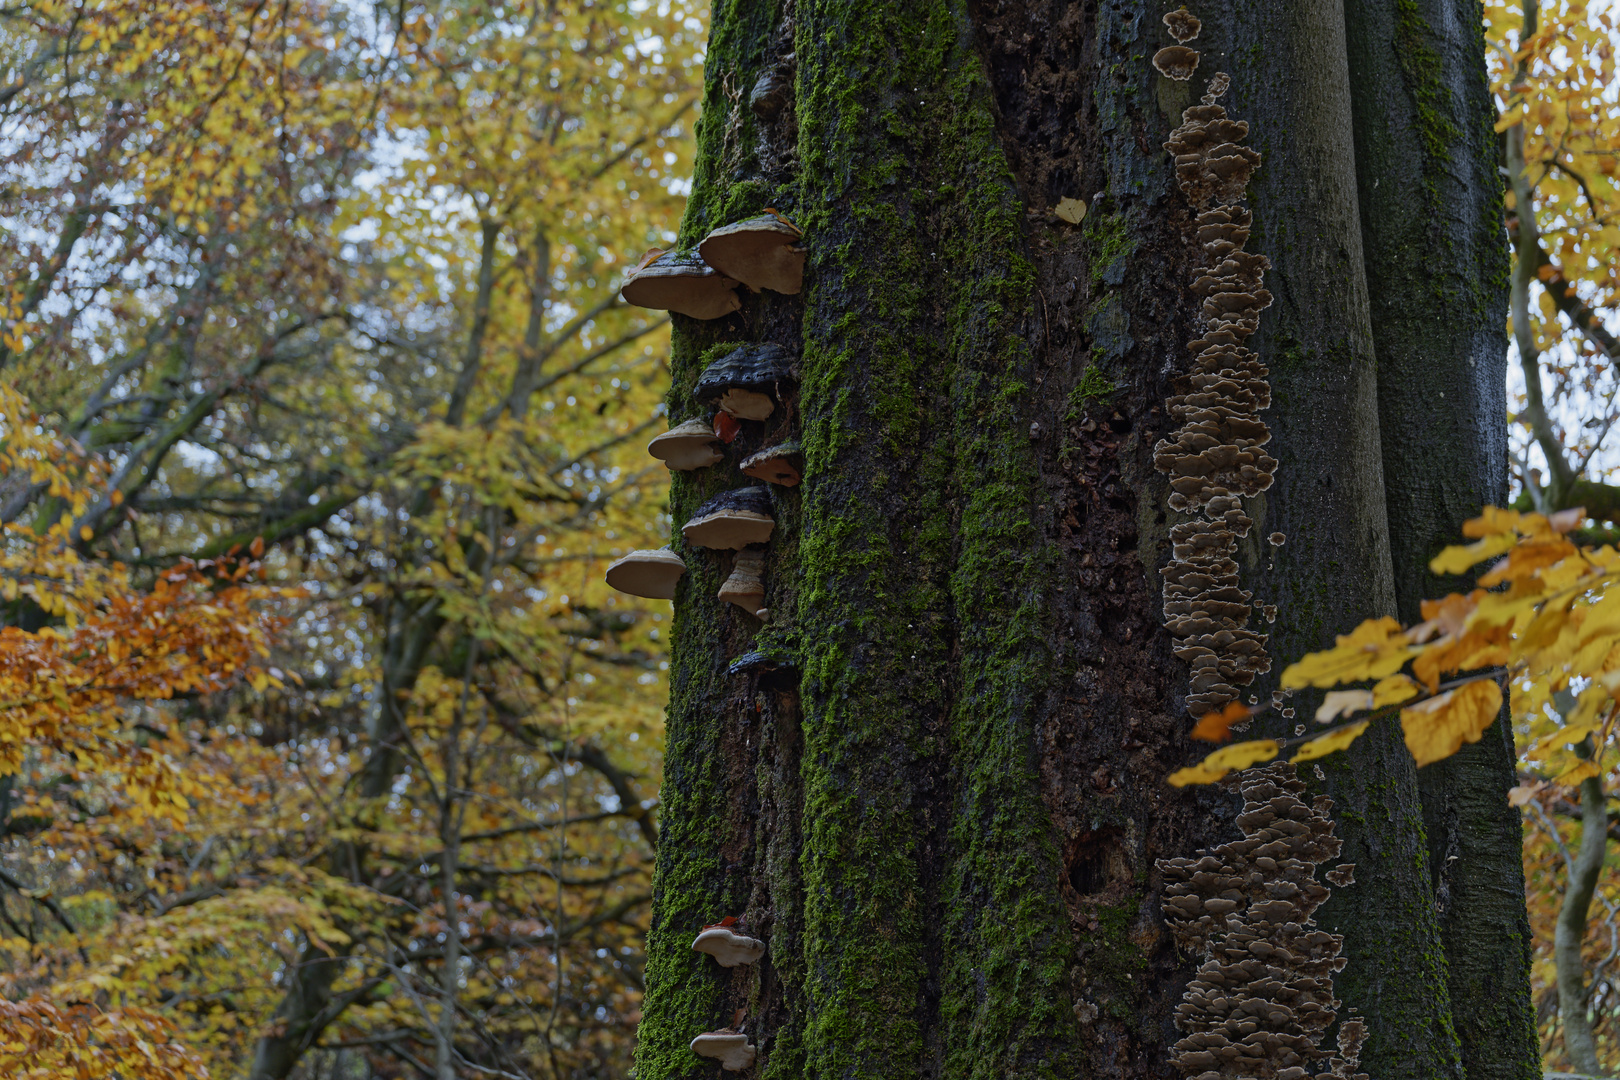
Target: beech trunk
(931, 777)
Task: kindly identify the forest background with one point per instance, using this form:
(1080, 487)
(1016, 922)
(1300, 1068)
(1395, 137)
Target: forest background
(323, 750)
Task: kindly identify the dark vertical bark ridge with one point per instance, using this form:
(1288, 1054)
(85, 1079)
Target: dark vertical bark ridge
(928, 659)
(1435, 249)
(1291, 82)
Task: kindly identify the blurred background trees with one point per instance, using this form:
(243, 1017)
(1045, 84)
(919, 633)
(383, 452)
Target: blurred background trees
(331, 287)
(1552, 64)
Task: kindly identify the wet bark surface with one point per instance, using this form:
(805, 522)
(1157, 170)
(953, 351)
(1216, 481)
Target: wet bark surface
(937, 792)
(1431, 214)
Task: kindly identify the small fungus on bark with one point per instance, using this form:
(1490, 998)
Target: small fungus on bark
(762, 252)
(1176, 62)
(671, 281)
(746, 587)
(732, 519)
(779, 464)
(1183, 24)
(774, 666)
(745, 382)
(731, 1048)
(729, 947)
(773, 89)
(686, 446)
(1263, 1000)
(651, 574)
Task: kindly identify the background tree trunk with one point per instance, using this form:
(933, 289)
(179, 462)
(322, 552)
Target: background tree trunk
(932, 778)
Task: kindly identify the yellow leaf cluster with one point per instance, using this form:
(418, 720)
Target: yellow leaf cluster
(1549, 626)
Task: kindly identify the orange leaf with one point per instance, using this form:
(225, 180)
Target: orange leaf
(1438, 727)
(1217, 726)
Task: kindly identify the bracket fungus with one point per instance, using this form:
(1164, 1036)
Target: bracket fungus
(686, 446)
(730, 1047)
(651, 574)
(1176, 62)
(779, 464)
(732, 519)
(744, 383)
(1183, 24)
(727, 946)
(1216, 455)
(762, 252)
(671, 281)
(746, 587)
(1263, 998)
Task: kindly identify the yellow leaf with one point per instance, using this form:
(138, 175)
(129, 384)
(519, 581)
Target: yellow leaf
(1333, 741)
(1237, 756)
(1518, 796)
(1376, 648)
(1459, 558)
(1339, 703)
(1071, 210)
(1393, 691)
(1575, 774)
(1491, 520)
(1438, 727)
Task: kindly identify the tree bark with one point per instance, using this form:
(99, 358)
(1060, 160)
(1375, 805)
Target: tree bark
(932, 778)
(1434, 245)
(1579, 1045)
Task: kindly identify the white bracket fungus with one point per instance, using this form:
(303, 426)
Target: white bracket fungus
(762, 252)
(731, 1048)
(729, 947)
(732, 519)
(670, 281)
(687, 446)
(746, 381)
(746, 587)
(651, 574)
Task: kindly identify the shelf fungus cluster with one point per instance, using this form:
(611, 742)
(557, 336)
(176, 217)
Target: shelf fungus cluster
(730, 948)
(762, 252)
(1215, 456)
(748, 383)
(1263, 998)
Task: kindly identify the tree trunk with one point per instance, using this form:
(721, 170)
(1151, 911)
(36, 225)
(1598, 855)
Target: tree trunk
(932, 778)
(1434, 244)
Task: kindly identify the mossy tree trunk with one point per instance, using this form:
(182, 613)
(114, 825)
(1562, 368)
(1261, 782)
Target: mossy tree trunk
(936, 790)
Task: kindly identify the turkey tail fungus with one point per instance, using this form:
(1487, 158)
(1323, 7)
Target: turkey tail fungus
(1215, 455)
(1263, 999)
